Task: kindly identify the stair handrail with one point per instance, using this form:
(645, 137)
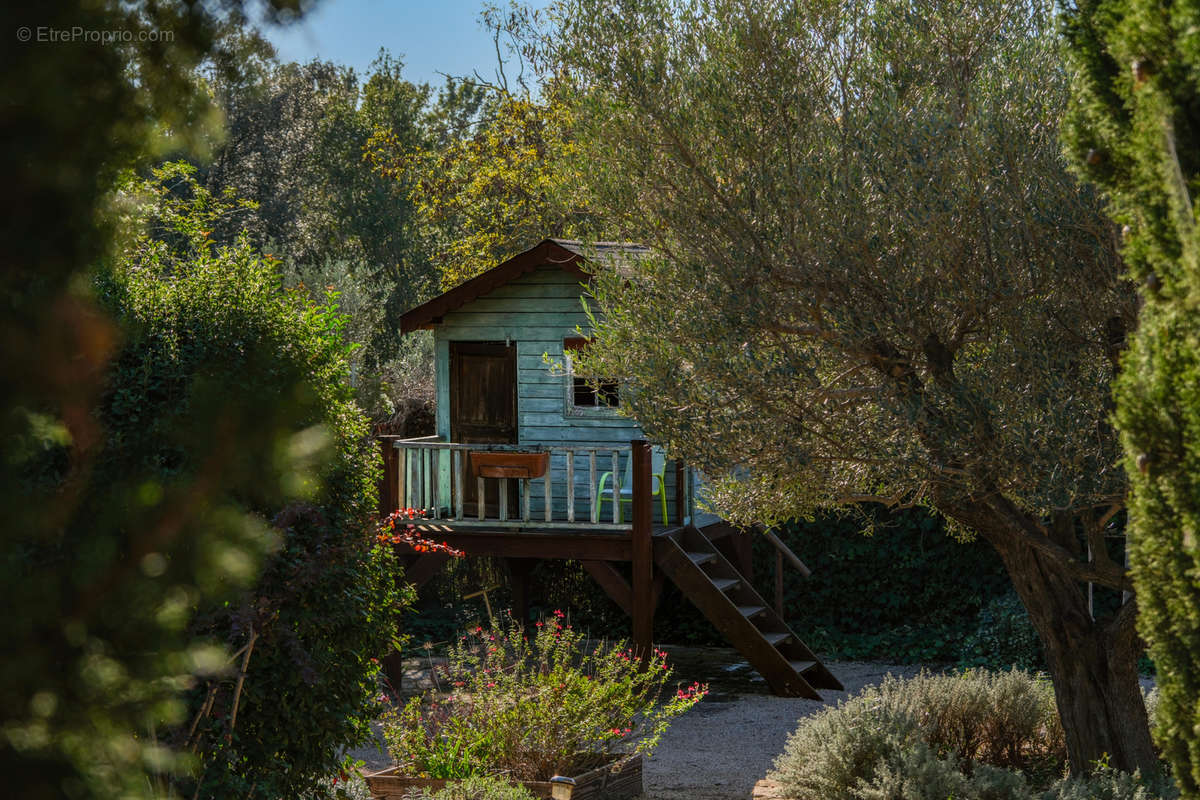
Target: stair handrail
(787, 553)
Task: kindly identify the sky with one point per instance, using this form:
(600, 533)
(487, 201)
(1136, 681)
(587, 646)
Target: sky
(432, 37)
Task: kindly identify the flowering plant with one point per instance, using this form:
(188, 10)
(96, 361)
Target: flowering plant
(533, 708)
(397, 528)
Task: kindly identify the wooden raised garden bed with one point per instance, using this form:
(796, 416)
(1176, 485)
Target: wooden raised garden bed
(508, 465)
(620, 780)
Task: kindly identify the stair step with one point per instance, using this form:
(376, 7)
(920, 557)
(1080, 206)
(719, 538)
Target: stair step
(751, 611)
(800, 666)
(774, 638)
(701, 558)
(725, 584)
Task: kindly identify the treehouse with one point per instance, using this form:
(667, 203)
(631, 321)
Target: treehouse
(532, 461)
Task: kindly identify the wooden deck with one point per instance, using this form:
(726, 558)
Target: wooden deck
(580, 544)
(709, 565)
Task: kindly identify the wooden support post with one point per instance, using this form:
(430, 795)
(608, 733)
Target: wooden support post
(518, 570)
(420, 570)
(612, 582)
(779, 583)
(393, 669)
(389, 500)
(643, 552)
(743, 546)
(680, 492)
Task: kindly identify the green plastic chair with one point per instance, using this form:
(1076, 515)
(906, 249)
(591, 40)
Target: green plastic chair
(658, 485)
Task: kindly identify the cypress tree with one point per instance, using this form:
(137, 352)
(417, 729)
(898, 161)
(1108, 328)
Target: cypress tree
(1134, 130)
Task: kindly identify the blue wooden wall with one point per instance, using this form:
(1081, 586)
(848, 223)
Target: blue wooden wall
(537, 311)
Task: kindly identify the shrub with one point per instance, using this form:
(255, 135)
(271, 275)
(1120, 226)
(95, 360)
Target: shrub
(918, 773)
(533, 708)
(975, 736)
(1004, 638)
(348, 785)
(1111, 784)
(220, 366)
(479, 787)
(830, 754)
(1006, 719)
(904, 732)
(916, 591)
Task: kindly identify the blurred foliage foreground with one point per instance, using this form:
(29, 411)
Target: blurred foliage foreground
(206, 621)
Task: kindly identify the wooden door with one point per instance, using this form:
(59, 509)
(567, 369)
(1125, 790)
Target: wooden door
(483, 410)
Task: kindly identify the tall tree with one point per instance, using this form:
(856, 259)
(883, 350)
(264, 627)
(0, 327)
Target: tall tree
(94, 657)
(875, 280)
(1135, 131)
(214, 350)
(499, 185)
(294, 145)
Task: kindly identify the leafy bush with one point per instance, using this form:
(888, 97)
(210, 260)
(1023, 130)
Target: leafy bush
(1110, 784)
(876, 742)
(347, 785)
(530, 709)
(976, 736)
(211, 337)
(914, 589)
(479, 787)
(916, 592)
(1006, 719)
(918, 773)
(1004, 638)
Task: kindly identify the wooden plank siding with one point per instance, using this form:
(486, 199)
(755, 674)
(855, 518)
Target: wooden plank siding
(537, 311)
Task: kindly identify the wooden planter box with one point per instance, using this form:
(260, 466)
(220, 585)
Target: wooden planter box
(620, 780)
(508, 465)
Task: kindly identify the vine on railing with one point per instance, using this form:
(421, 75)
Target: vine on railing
(397, 528)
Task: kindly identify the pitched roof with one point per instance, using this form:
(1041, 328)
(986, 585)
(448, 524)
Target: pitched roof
(567, 254)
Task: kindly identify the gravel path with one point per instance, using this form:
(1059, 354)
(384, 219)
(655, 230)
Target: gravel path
(729, 741)
(723, 746)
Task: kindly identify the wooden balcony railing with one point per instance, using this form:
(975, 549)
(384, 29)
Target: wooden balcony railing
(435, 476)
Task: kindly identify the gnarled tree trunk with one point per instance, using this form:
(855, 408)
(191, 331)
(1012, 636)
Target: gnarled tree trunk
(1093, 663)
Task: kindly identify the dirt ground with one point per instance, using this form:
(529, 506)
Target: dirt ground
(723, 746)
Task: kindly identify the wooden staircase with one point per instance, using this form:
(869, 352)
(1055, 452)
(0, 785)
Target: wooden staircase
(726, 598)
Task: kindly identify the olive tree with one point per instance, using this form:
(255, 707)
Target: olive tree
(1133, 130)
(875, 280)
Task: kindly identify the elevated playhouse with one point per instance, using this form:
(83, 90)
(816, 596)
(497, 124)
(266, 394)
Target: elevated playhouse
(529, 457)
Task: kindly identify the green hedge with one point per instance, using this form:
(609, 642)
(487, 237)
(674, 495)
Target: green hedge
(222, 373)
(906, 593)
